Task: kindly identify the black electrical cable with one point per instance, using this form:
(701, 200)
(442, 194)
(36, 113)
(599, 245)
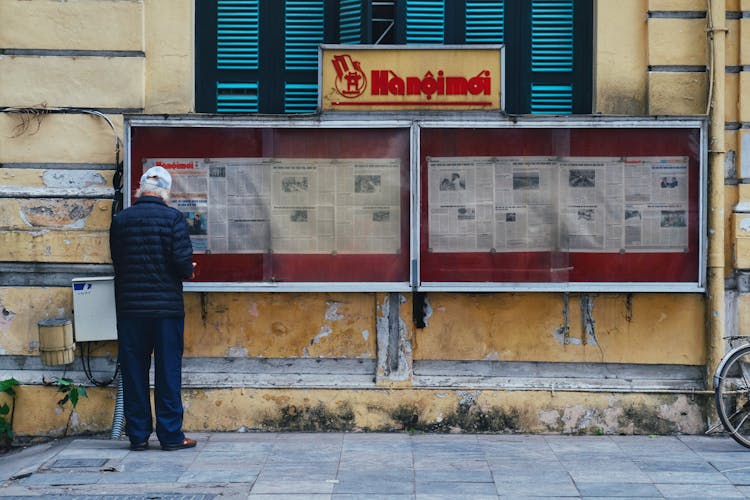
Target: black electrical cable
(86, 363)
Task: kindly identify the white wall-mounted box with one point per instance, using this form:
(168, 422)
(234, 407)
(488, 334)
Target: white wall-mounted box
(94, 314)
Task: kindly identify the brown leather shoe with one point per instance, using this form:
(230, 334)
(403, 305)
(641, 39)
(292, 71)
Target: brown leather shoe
(185, 443)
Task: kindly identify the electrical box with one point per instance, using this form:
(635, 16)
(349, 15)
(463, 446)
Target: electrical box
(94, 314)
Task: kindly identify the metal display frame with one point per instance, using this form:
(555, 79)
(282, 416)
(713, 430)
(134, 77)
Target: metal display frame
(414, 123)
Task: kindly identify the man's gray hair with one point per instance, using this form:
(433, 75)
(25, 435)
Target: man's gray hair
(150, 190)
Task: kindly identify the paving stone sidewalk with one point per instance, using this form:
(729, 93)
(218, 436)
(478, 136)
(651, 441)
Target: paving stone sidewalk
(348, 466)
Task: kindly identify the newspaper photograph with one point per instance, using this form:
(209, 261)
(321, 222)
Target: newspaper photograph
(570, 204)
(258, 205)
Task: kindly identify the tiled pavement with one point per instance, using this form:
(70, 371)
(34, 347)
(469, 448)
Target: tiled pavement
(345, 466)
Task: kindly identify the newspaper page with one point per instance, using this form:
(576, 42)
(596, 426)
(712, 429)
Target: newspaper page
(590, 204)
(239, 197)
(656, 204)
(296, 208)
(460, 195)
(368, 205)
(571, 204)
(284, 205)
(525, 193)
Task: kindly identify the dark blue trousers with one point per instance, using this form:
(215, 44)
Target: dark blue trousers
(138, 338)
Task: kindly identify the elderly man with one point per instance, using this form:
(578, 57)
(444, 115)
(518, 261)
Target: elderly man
(151, 254)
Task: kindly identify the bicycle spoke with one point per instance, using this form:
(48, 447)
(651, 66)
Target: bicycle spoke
(742, 421)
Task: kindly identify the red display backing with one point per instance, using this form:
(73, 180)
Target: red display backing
(557, 267)
(299, 142)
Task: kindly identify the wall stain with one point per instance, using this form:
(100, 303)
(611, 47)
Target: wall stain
(55, 213)
(647, 420)
(629, 308)
(6, 318)
(467, 417)
(562, 333)
(204, 308)
(317, 418)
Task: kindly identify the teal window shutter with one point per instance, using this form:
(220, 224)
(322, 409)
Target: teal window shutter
(350, 21)
(425, 21)
(303, 34)
(552, 35)
(551, 53)
(485, 21)
(237, 23)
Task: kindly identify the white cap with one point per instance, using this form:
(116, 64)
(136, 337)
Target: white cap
(156, 177)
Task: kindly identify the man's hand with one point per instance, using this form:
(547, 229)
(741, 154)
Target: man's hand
(195, 264)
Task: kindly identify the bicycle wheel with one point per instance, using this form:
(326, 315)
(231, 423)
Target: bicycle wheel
(732, 392)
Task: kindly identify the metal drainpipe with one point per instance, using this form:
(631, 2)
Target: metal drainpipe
(716, 155)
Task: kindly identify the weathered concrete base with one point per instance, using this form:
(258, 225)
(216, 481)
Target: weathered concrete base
(496, 411)
(228, 394)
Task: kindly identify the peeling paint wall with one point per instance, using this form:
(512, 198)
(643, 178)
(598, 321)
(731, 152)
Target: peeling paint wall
(280, 325)
(620, 328)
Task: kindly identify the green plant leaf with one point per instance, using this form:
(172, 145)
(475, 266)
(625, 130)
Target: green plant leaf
(5, 409)
(63, 400)
(7, 385)
(73, 397)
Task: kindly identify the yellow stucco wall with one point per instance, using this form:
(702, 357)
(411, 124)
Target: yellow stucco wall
(156, 76)
(50, 138)
(79, 25)
(97, 82)
(280, 325)
(637, 328)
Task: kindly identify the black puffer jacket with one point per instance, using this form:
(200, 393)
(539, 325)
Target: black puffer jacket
(151, 254)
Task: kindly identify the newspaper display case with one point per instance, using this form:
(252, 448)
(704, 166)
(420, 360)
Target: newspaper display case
(562, 205)
(428, 202)
(287, 205)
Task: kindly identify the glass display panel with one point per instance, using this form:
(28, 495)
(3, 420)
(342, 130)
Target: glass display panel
(286, 204)
(557, 205)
